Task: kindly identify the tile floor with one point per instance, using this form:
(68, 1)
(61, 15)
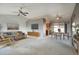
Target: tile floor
(31, 46)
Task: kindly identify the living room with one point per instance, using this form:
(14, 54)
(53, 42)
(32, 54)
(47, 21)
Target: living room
(39, 28)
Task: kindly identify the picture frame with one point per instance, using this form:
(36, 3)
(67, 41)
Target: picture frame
(12, 26)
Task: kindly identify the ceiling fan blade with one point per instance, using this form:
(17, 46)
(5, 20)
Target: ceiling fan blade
(26, 12)
(18, 14)
(23, 13)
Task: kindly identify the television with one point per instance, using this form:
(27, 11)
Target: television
(34, 26)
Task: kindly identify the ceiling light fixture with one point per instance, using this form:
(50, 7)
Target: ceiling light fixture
(58, 17)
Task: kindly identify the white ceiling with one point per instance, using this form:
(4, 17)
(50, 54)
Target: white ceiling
(35, 10)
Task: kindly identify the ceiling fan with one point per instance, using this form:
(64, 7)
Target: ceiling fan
(21, 12)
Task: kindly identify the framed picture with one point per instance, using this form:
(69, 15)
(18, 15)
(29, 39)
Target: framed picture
(12, 26)
(34, 26)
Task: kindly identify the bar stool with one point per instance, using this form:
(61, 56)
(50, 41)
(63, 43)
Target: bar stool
(55, 35)
(66, 35)
(59, 36)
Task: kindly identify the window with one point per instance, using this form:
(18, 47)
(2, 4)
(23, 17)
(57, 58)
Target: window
(58, 26)
(73, 28)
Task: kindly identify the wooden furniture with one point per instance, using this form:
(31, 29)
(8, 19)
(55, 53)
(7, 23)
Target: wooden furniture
(76, 45)
(36, 34)
(6, 41)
